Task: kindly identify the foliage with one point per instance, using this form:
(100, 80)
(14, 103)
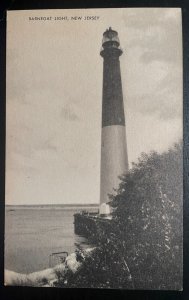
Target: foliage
(141, 248)
(150, 197)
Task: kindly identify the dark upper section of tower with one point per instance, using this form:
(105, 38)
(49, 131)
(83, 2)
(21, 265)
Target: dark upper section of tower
(110, 44)
(112, 104)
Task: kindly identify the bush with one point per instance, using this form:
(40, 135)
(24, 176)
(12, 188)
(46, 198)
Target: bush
(148, 214)
(141, 248)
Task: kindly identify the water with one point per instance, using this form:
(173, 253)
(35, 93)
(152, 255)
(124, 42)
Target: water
(33, 233)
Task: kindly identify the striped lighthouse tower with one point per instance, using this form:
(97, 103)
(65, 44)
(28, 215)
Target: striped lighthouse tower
(114, 160)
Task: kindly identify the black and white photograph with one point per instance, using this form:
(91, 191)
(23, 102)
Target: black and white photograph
(94, 149)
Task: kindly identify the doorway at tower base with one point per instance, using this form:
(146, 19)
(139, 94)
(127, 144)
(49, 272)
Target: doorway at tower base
(104, 209)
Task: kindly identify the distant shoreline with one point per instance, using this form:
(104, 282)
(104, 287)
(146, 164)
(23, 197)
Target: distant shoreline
(51, 206)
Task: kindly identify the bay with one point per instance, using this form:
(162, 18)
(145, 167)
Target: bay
(32, 233)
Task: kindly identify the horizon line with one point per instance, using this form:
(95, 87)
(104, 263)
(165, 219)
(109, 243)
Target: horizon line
(52, 204)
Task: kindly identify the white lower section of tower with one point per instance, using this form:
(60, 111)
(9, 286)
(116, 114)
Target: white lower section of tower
(114, 162)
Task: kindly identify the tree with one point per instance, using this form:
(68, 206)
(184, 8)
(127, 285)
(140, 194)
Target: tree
(148, 213)
(141, 248)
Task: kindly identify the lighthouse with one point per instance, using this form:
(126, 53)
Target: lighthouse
(114, 158)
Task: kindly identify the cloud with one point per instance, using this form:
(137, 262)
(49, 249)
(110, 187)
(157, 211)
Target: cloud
(47, 145)
(156, 46)
(154, 62)
(163, 105)
(156, 34)
(68, 114)
(150, 17)
(163, 98)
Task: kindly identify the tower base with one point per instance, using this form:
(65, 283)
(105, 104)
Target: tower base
(104, 209)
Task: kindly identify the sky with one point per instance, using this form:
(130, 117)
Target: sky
(54, 97)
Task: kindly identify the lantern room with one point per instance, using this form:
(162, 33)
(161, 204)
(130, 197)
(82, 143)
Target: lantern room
(110, 43)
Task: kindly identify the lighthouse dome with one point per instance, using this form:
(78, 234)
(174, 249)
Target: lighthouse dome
(110, 38)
